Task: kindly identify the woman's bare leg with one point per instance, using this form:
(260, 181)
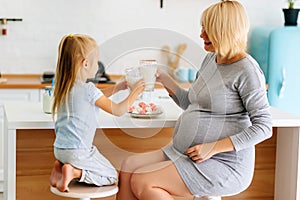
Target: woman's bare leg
(68, 174)
(131, 164)
(158, 181)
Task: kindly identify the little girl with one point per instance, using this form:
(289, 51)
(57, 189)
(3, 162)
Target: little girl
(77, 106)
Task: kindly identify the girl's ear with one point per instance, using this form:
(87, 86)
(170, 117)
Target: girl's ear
(85, 63)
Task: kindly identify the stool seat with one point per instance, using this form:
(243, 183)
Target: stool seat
(208, 198)
(86, 191)
(214, 197)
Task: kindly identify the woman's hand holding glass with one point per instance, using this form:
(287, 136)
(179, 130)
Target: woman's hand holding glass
(168, 82)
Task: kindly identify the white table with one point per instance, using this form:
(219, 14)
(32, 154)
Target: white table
(30, 116)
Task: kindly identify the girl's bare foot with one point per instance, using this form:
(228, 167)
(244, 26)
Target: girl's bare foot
(56, 173)
(68, 174)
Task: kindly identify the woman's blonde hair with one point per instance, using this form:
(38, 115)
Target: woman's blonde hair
(227, 26)
(72, 51)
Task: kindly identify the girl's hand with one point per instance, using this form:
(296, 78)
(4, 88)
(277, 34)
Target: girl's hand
(121, 86)
(138, 87)
(201, 152)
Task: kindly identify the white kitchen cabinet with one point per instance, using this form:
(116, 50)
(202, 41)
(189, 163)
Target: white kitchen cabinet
(11, 95)
(14, 95)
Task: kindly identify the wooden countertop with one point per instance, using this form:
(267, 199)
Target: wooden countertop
(33, 81)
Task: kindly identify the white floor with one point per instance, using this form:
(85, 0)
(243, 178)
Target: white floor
(1, 196)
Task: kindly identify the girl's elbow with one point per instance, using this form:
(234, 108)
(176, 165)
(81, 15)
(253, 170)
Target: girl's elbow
(118, 113)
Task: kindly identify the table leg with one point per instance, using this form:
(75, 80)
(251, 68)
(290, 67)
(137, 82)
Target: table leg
(287, 164)
(9, 164)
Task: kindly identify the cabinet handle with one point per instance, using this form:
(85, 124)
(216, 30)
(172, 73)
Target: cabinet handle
(282, 88)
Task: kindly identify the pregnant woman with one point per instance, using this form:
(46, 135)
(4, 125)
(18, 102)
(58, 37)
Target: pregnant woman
(226, 113)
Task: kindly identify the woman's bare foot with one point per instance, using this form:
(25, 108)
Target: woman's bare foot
(68, 174)
(56, 173)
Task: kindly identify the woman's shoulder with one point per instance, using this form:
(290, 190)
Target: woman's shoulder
(251, 65)
(250, 70)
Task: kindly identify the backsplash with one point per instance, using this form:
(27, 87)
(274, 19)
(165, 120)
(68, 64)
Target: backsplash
(30, 46)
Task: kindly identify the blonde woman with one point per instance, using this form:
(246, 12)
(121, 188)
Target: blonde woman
(226, 113)
(77, 106)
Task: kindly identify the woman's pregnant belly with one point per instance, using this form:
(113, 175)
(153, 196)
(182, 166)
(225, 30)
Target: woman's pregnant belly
(195, 127)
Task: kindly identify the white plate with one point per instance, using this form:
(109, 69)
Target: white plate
(152, 115)
(136, 115)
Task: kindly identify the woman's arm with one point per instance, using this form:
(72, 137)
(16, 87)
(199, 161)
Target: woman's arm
(119, 109)
(252, 91)
(178, 94)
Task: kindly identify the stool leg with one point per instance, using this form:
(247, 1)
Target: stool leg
(84, 199)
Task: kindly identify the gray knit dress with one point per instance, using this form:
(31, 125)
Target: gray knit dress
(226, 100)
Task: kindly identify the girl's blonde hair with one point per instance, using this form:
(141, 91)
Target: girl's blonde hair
(72, 51)
(227, 26)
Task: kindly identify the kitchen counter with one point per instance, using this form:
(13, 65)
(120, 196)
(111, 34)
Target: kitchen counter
(287, 125)
(33, 81)
(18, 117)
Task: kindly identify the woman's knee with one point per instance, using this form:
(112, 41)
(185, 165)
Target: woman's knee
(139, 184)
(130, 164)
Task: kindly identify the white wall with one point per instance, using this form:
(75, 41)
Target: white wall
(31, 45)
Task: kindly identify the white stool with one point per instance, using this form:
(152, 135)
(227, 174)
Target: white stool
(214, 198)
(86, 192)
(208, 198)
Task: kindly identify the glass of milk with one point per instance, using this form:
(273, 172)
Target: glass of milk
(148, 70)
(132, 75)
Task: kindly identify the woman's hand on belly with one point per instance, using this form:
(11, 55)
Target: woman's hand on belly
(201, 152)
